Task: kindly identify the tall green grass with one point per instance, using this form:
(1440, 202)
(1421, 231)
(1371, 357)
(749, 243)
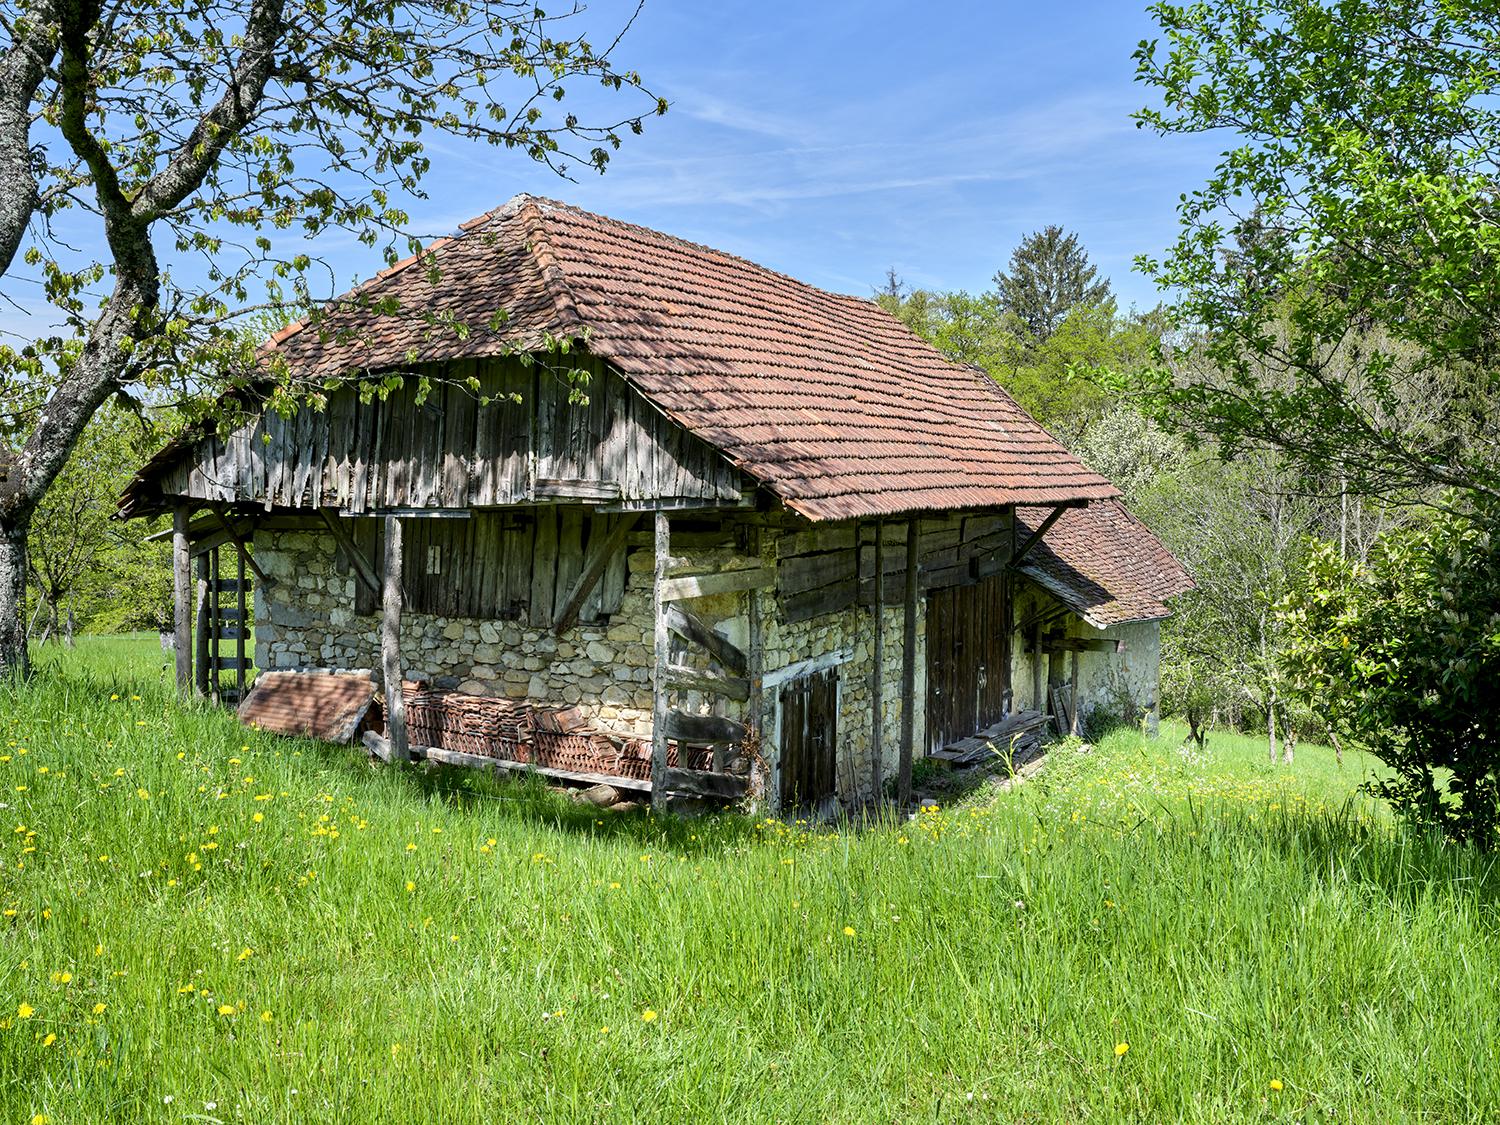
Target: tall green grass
(1136, 934)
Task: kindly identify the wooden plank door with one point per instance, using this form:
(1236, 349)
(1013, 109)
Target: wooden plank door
(809, 738)
(968, 659)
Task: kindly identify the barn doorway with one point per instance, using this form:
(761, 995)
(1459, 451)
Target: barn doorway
(968, 659)
(809, 738)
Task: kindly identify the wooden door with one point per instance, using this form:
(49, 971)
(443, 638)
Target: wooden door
(968, 659)
(809, 738)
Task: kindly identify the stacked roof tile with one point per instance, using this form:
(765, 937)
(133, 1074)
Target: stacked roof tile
(825, 399)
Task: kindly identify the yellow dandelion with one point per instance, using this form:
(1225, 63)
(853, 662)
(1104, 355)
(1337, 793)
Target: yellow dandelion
(648, 1015)
(258, 817)
(99, 1009)
(411, 847)
(25, 1011)
(265, 1017)
(848, 931)
(245, 954)
(410, 886)
(1276, 1084)
(1120, 1049)
(143, 793)
(226, 1009)
(51, 1039)
(39, 1119)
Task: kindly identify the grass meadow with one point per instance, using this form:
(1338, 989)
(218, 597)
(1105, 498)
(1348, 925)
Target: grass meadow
(201, 923)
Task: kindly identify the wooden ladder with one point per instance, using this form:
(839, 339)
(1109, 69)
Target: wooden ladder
(223, 620)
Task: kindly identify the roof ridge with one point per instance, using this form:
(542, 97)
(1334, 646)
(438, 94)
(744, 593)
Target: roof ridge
(548, 262)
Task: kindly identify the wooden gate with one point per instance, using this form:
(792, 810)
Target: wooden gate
(809, 738)
(968, 660)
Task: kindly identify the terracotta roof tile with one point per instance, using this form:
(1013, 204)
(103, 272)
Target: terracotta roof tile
(331, 706)
(826, 399)
(1104, 564)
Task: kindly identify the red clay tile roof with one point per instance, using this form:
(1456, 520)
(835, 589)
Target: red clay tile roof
(1104, 564)
(826, 399)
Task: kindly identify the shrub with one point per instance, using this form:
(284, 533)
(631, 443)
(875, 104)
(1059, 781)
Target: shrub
(1402, 655)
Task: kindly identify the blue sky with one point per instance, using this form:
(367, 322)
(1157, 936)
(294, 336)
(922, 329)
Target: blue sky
(831, 140)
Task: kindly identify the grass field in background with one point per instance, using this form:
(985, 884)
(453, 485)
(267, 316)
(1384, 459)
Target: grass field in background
(206, 924)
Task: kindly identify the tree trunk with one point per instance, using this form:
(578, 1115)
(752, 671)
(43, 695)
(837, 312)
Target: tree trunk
(1271, 727)
(13, 656)
(1289, 746)
(68, 626)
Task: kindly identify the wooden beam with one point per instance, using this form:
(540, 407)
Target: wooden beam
(361, 565)
(237, 537)
(705, 783)
(1082, 644)
(182, 599)
(659, 672)
(380, 746)
(1036, 536)
(877, 670)
(593, 570)
(908, 669)
(704, 730)
(710, 682)
(390, 643)
(724, 582)
(689, 627)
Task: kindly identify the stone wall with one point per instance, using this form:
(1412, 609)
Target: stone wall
(307, 620)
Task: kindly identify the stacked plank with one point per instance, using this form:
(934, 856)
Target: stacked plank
(1015, 738)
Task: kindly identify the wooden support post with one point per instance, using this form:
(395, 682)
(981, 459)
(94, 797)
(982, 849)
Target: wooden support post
(659, 674)
(390, 643)
(362, 568)
(908, 669)
(1074, 726)
(214, 628)
(1038, 699)
(242, 627)
(877, 671)
(182, 599)
(202, 657)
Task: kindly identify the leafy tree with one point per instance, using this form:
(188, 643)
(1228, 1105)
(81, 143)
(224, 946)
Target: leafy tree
(210, 128)
(1341, 260)
(1401, 655)
(1049, 277)
(1242, 530)
(81, 558)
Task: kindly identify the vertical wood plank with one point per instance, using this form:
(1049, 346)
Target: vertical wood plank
(908, 668)
(182, 599)
(390, 642)
(544, 567)
(569, 557)
(663, 541)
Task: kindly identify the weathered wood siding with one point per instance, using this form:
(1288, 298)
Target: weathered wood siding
(526, 443)
(820, 571)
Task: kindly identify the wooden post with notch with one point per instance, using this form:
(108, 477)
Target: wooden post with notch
(182, 599)
(877, 670)
(908, 669)
(390, 642)
(663, 540)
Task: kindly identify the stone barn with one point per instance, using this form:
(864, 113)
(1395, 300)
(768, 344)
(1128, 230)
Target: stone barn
(581, 497)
